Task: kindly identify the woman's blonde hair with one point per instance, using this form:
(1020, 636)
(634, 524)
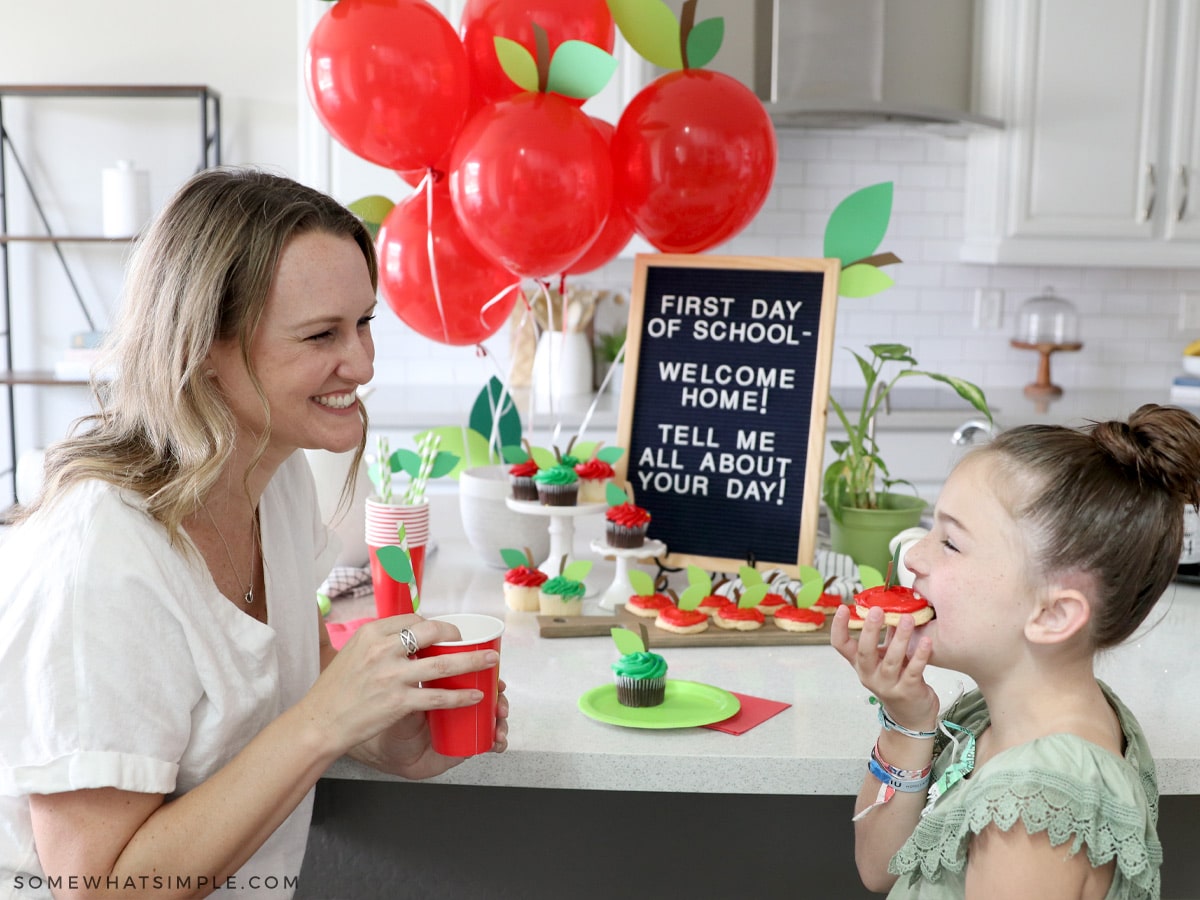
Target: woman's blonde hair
(201, 273)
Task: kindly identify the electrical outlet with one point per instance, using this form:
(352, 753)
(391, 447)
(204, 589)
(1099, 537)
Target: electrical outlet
(989, 309)
(1189, 311)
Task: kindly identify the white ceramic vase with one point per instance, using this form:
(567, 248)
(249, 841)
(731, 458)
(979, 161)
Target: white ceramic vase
(562, 367)
(490, 526)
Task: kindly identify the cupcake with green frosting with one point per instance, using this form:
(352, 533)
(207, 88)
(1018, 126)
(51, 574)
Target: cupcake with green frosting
(641, 676)
(557, 486)
(562, 595)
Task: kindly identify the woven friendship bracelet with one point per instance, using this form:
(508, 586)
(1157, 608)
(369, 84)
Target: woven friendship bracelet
(890, 724)
(891, 780)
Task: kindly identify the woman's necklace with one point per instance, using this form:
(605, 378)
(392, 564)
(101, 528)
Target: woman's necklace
(247, 597)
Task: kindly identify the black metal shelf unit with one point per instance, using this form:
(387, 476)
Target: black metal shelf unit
(209, 147)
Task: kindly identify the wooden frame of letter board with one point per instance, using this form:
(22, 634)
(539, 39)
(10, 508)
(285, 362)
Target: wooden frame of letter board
(812, 453)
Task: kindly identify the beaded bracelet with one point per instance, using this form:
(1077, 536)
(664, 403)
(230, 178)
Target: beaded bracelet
(891, 780)
(890, 724)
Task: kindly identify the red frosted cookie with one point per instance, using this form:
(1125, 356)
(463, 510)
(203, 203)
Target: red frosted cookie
(895, 601)
(793, 619)
(681, 621)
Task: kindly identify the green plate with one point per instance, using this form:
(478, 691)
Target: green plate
(685, 705)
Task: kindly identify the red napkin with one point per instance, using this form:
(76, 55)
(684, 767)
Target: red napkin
(754, 711)
(339, 632)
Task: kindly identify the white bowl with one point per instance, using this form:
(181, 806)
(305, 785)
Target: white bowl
(490, 526)
(1191, 365)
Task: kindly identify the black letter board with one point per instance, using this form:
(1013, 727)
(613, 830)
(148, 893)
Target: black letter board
(723, 404)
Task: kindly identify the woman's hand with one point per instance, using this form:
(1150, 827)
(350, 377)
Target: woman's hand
(371, 686)
(884, 667)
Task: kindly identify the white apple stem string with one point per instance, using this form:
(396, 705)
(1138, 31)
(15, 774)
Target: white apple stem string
(385, 470)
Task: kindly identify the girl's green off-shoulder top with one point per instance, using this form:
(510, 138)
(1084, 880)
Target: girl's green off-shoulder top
(1081, 795)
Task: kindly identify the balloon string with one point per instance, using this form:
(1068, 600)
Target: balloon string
(587, 416)
(497, 403)
(427, 184)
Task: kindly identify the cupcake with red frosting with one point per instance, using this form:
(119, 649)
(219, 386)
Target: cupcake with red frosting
(596, 474)
(626, 524)
(523, 581)
(521, 472)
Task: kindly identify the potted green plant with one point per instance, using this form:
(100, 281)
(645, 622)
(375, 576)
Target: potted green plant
(864, 514)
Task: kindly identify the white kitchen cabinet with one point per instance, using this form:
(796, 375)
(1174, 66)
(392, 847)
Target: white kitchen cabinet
(1099, 159)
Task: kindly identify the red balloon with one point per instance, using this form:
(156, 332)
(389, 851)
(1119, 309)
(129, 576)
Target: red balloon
(466, 279)
(693, 159)
(483, 20)
(389, 80)
(618, 227)
(531, 181)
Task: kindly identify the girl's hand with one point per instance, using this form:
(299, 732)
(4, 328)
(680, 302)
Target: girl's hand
(371, 686)
(883, 666)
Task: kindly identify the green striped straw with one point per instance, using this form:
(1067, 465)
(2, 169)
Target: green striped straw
(385, 470)
(402, 534)
(428, 447)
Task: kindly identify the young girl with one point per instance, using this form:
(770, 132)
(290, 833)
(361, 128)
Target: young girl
(1048, 545)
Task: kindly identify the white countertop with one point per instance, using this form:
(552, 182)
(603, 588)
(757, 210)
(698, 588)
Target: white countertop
(817, 746)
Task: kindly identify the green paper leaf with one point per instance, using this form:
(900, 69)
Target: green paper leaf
(808, 573)
(372, 209)
(651, 29)
(697, 577)
(869, 577)
(443, 464)
(487, 401)
(396, 563)
(809, 594)
(578, 569)
(514, 454)
(750, 576)
(475, 453)
(862, 280)
(643, 584)
(614, 496)
(752, 596)
(584, 449)
(544, 458)
(703, 42)
(579, 69)
(692, 596)
(517, 62)
(627, 641)
(609, 454)
(406, 461)
(856, 227)
(513, 558)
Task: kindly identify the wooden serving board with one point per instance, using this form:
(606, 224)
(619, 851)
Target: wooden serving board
(713, 636)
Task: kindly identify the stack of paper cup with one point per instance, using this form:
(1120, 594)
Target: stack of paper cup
(383, 521)
(126, 199)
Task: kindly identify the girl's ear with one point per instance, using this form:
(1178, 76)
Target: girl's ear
(1062, 613)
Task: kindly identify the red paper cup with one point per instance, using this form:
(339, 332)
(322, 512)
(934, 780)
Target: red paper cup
(395, 597)
(468, 730)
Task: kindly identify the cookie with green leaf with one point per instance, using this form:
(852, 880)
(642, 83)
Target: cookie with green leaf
(804, 616)
(562, 595)
(625, 523)
(701, 593)
(641, 676)
(596, 473)
(522, 581)
(744, 615)
(771, 601)
(686, 617)
(645, 601)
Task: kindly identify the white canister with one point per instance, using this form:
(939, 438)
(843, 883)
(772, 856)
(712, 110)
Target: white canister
(125, 195)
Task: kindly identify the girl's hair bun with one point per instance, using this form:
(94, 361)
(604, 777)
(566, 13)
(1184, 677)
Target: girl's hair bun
(1159, 444)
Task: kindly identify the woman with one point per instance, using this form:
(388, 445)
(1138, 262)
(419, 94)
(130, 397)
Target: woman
(1048, 546)
(171, 694)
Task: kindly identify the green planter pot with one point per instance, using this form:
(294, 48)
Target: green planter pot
(863, 534)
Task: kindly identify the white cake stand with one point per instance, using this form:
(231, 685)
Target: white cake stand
(562, 533)
(621, 589)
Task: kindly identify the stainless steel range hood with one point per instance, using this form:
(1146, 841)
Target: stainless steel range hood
(853, 63)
